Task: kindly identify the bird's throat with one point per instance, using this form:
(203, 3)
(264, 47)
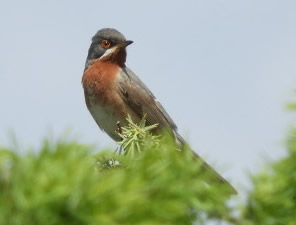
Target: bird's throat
(115, 55)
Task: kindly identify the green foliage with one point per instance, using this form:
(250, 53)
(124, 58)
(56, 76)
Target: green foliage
(46, 188)
(292, 106)
(152, 182)
(273, 200)
(136, 137)
(64, 183)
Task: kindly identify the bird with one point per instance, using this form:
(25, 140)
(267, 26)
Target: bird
(114, 92)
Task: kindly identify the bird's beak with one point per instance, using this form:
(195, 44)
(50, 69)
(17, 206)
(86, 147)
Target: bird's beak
(124, 44)
(128, 42)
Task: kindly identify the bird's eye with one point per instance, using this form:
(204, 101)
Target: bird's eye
(105, 44)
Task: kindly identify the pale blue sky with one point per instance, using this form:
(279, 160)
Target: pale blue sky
(224, 71)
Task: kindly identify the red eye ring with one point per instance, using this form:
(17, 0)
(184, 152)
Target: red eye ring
(105, 44)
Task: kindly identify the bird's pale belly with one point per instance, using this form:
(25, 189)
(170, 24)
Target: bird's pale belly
(107, 116)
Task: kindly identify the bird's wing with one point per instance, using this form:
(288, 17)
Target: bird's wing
(141, 101)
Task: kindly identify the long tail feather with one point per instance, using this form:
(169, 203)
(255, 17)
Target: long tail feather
(216, 178)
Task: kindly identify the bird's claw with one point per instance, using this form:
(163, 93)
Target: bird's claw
(119, 130)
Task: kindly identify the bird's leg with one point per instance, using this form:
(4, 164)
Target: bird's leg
(119, 130)
(119, 127)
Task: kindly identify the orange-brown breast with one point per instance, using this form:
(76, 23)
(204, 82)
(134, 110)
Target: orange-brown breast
(102, 99)
(99, 81)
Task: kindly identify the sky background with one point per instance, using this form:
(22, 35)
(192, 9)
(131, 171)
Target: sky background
(224, 70)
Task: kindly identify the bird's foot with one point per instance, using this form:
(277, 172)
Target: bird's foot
(119, 130)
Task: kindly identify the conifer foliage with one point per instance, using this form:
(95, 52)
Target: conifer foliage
(151, 182)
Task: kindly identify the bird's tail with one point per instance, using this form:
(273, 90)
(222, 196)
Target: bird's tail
(216, 177)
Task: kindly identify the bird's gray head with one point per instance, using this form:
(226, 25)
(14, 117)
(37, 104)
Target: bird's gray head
(108, 44)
